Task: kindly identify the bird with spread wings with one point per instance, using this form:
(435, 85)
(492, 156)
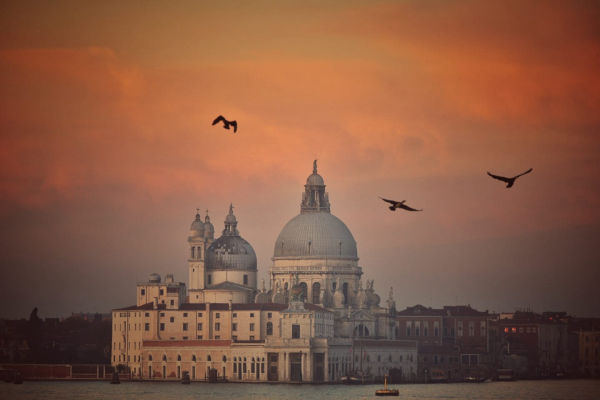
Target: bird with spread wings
(509, 181)
(226, 123)
(399, 204)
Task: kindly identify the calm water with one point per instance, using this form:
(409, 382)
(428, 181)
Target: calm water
(530, 390)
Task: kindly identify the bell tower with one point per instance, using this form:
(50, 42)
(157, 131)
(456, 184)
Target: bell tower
(201, 236)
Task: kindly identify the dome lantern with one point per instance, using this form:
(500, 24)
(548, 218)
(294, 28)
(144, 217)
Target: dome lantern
(314, 198)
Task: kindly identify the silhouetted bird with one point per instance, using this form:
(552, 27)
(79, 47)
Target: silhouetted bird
(399, 204)
(509, 181)
(225, 123)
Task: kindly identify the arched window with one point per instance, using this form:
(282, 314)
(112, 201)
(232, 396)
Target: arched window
(193, 255)
(316, 293)
(150, 357)
(178, 357)
(345, 291)
(361, 331)
(164, 358)
(194, 358)
(304, 290)
(224, 358)
(269, 328)
(208, 358)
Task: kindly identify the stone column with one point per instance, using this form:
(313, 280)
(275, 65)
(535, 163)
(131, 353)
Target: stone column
(326, 366)
(303, 366)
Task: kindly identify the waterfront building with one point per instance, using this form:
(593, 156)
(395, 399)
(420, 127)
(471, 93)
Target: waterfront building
(452, 341)
(533, 345)
(316, 322)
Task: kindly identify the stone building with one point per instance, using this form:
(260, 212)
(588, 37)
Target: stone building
(317, 321)
(453, 341)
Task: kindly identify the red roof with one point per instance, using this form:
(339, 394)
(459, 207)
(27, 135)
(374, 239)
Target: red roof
(186, 343)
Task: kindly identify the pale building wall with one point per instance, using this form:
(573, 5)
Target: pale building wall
(235, 276)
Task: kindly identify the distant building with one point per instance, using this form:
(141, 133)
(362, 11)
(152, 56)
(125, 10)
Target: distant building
(584, 346)
(452, 341)
(317, 322)
(533, 345)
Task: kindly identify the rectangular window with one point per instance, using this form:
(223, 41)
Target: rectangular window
(143, 292)
(172, 319)
(217, 326)
(185, 338)
(147, 314)
(146, 326)
(269, 315)
(185, 314)
(295, 331)
(217, 337)
(199, 315)
(172, 302)
(162, 326)
(217, 315)
(161, 292)
(185, 326)
(251, 315)
(199, 337)
(162, 314)
(234, 327)
(199, 326)
(245, 279)
(251, 337)
(209, 279)
(234, 315)
(234, 338)
(252, 327)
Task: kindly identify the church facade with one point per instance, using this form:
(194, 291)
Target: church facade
(317, 322)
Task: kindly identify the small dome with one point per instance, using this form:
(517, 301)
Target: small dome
(230, 252)
(209, 229)
(315, 180)
(197, 227)
(230, 218)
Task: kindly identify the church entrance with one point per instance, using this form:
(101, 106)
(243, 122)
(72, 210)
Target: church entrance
(296, 367)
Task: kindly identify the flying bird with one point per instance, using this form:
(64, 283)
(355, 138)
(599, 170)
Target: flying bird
(399, 204)
(509, 181)
(226, 123)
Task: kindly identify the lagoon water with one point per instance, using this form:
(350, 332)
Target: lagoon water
(529, 390)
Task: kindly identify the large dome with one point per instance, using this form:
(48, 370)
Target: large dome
(230, 252)
(315, 235)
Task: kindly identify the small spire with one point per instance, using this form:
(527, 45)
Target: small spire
(230, 208)
(315, 167)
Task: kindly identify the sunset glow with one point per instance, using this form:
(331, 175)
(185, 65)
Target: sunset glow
(107, 148)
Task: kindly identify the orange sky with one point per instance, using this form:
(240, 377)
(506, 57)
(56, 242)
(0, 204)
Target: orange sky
(106, 146)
